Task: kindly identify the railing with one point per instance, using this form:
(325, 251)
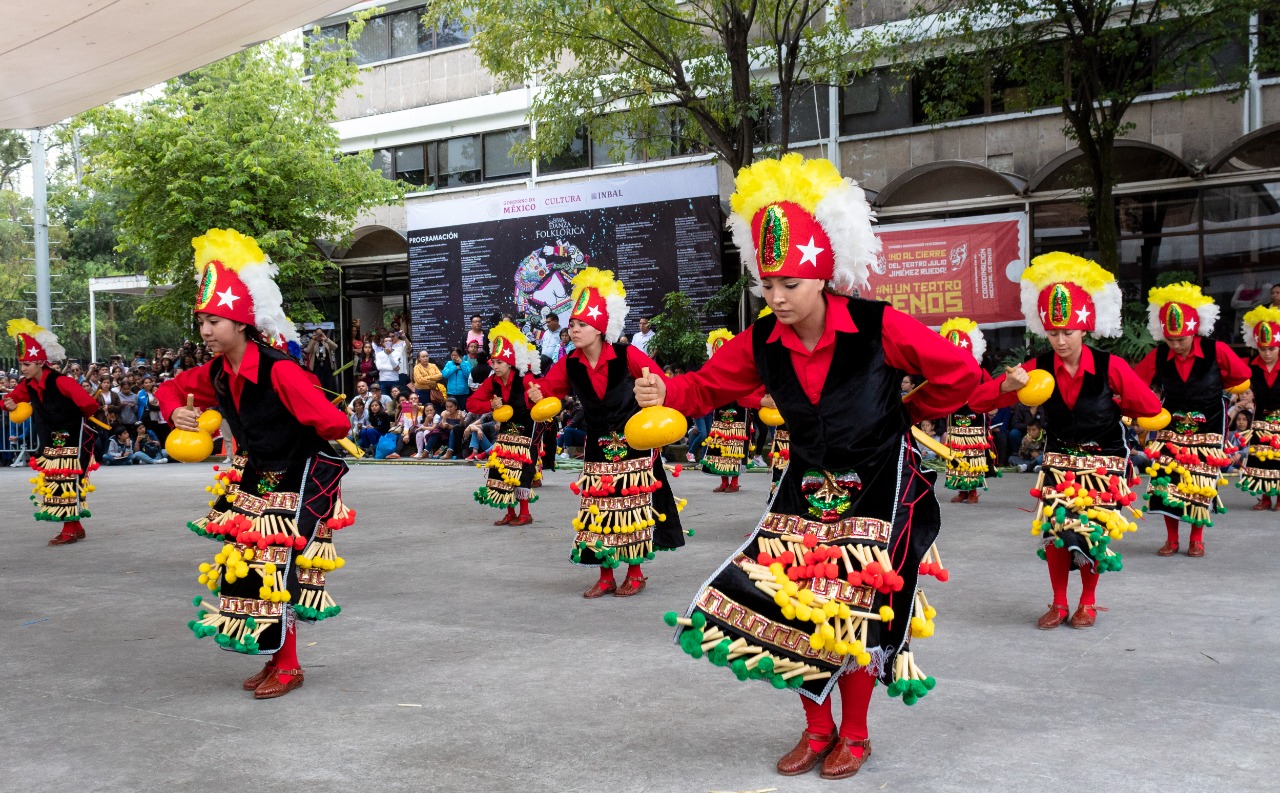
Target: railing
(16, 441)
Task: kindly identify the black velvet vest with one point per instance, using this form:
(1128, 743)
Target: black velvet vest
(1266, 398)
(609, 413)
(1095, 419)
(54, 412)
(1201, 391)
(264, 429)
(858, 424)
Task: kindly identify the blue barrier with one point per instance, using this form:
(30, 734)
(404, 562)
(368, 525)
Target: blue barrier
(17, 441)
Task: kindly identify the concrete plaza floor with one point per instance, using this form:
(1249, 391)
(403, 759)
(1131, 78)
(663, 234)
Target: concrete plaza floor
(465, 658)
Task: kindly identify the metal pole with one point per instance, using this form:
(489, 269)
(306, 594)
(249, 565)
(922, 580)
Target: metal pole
(93, 327)
(40, 211)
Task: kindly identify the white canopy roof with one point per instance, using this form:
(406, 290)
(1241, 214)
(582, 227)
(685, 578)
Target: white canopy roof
(62, 57)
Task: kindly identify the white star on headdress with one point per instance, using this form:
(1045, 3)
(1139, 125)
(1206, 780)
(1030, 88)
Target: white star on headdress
(1043, 316)
(1082, 315)
(809, 253)
(227, 298)
(1191, 323)
(593, 312)
(964, 343)
(34, 349)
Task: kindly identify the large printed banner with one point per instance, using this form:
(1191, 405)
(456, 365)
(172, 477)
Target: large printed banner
(516, 252)
(968, 267)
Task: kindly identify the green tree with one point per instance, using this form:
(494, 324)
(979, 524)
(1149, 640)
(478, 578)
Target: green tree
(15, 154)
(244, 143)
(687, 73)
(679, 335)
(1091, 58)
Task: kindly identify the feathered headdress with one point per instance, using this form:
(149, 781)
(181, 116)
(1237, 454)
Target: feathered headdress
(1180, 309)
(965, 334)
(600, 301)
(35, 344)
(507, 343)
(235, 280)
(800, 218)
(716, 338)
(1065, 292)
(1261, 327)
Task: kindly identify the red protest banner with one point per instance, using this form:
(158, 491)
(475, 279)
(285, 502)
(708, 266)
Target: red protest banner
(968, 267)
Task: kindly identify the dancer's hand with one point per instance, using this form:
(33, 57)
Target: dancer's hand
(495, 403)
(1015, 377)
(9, 404)
(535, 393)
(651, 390)
(766, 401)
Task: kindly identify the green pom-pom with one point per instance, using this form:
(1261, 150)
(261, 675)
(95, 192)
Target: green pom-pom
(777, 682)
(670, 618)
(929, 683)
(689, 532)
(650, 556)
(250, 623)
(909, 699)
(1058, 543)
(795, 682)
(765, 666)
(739, 668)
(222, 639)
(699, 620)
(895, 688)
(1041, 553)
(195, 601)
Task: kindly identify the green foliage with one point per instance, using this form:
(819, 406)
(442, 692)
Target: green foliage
(1091, 58)
(678, 335)
(1135, 341)
(14, 155)
(243, 143)
(696, 71)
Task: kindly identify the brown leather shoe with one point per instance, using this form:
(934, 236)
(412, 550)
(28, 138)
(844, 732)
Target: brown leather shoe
(1168, 549)
(973, 496)
(802, 759)
(630, 586)
(271, 687)
(252, 683)
(1195, 548)
(600, 589)
(961, 497)
(1084, 616)
(843, 763)
(721, 488)
(1055, 616)
(79, 531)
(1263, 504)
(505, 520)
(523, 520)
(64, 539)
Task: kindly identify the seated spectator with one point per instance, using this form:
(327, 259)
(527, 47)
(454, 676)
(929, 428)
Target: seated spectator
(1031, 451)
(573, 422)
(363, 435)
(928, 427)
(450, 429)
(1020, 416)
(146, 447)
(998, 422)
(479, 435)
(379, 420)
(119, 448)
(1235, 439)
(428, 421)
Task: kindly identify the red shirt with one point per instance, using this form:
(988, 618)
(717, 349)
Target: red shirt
(295, 387)
(67, 385)
(478, 402)
(1270, 374)
(1234, 371)
(1132, 394)
(556, 382)
(731, 374)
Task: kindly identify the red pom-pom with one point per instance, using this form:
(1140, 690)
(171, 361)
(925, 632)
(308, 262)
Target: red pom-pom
(788, 557)
(1035, 492)
(854, 578)
(832, 571)
(1100, 471)
(677, 470)
(764, 559)
(810, 540)
(942, 574)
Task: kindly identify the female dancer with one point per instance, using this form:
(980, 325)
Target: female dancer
(1260, 475)
(1085, 478)
(968, 436)
(825, 587)
(281, 503)
(1191, 371)
(628, 510)
(60, 406)
(511, 467)
(726, 443)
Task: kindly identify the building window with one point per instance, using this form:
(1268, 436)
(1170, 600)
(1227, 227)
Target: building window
(498, 161)
(457, 161)
(576, 157)
(396, 35)
(384, 162)
(808, 119)
(875, 102)
(411, 165)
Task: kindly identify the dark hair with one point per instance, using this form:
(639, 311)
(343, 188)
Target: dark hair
(482, 357)
(1033, 422)
(1248, 415)
(477, 316)
(454, 400)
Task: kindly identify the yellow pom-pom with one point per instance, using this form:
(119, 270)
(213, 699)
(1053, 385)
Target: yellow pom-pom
(817, 640)
(863, 659)
(205, 567)
(803, 613)
(886, 613)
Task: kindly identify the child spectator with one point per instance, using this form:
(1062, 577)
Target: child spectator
(1031, 451)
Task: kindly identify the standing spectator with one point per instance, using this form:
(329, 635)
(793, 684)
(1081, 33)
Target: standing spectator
(322, 353)
(455, 374)
(641, 339)
(388, 360)
(366, 366)
(426, 376)
(566, 346)
(480, 370)
(549, 346)
(476, 331)
(128, 402)
(403, 346)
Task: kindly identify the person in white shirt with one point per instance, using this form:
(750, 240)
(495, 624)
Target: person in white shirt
(641, 339)
(550, 344)
(388, 359)
(402, 345)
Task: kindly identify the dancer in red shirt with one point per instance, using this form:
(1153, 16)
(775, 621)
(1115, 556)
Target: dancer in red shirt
(60, 407)
(726, 443)
(512, 469)
(1260, 475)
(627, 510)
(1191, 371)
(968, 436)
(276, 517)
(1085, 477)
(825, 589)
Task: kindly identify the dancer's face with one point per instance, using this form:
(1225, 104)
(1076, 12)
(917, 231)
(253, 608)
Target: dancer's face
(581, 334)
(1066, 344)
(501, 369)
(30, 369)
(1181, 346)
(220, 335)
(1269, 355)
(793, 299)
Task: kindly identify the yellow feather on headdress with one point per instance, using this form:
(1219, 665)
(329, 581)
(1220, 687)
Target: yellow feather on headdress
(526, 354)
(764, 312)
(233, 249)
(600, 280)
(1262, 314)
(789, 178)
(720, 335)
(1059, 267)
(23, 325)
(1183, 292)
(966, 326)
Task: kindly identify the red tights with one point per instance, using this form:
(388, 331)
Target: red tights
(855, 697)
(286, 658)
(633, 571)
(1171, 528)
(1059, 560)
